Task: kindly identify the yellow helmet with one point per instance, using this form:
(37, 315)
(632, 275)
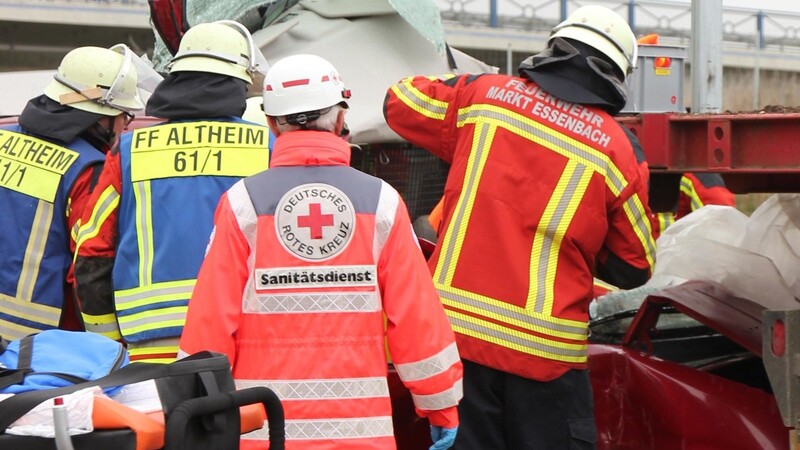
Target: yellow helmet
(97, 80)
(604, 30)
(224, 47)
(254, 112)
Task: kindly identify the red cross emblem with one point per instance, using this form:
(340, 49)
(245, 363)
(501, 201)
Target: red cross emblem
(315, 220)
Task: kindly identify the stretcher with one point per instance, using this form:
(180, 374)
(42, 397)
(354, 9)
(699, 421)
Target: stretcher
(199, 412)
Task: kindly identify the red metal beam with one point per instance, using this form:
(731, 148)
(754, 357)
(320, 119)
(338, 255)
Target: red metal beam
(753, 152)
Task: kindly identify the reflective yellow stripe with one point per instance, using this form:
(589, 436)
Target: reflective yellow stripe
(524, 343)
(144, 230)
(479, 153)
(34, 251)
(12, 331)
(418, 101)
(105, 324)
(637, 217)
(106, 204)
(500, 311)
(153, 348)
(135, 351)
(73, 232)
(153, 319)
(552, 227)
(687, 187)
(572, 149)
(546, 137)
(665, 219)
(607, 286)
(26, 309)
(499, 322)
(48, 316)
(158, 292)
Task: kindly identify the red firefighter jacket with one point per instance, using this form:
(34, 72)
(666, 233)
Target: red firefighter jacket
(304, 262)
(696, 191)
(538, 189)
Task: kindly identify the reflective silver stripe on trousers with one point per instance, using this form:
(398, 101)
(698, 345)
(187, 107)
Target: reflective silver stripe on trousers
(311, 303)
(429, 367)
(442, 400)
(352, 428)
(337, 389)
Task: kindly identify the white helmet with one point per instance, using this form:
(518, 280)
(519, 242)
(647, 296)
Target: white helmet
(302, 83)
(97, 80)
(223, 47)
(604, 30)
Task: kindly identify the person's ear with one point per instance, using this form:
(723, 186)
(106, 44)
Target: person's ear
(340, 121)
(273, 125)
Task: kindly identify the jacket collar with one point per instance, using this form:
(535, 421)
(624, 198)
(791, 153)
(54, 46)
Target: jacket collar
(310, 148)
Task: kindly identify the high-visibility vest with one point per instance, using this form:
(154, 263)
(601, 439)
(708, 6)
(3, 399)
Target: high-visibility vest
(172, 178)
(36, 177)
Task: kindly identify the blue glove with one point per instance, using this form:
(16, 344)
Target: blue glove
(443, 438)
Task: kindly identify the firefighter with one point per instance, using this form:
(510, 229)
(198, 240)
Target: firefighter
(696, 191)
(48, 164)
(142, 241)
(304, 262)
(544, 192)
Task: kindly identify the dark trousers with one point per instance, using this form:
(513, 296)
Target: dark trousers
(501, 411)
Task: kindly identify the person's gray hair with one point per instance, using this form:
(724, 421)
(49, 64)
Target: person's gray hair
(325, 122)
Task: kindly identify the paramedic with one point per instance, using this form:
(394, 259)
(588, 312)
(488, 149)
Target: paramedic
(48, 165)
(143, 238)
(543, 193)
(305, 261)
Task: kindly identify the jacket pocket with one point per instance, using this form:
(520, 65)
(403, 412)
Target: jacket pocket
(583, 433)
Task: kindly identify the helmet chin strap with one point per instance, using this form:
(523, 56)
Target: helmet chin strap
(101, 137)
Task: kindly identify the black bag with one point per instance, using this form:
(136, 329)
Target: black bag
(198, 391)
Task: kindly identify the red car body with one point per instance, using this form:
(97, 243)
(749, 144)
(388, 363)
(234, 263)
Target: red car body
(712, 393)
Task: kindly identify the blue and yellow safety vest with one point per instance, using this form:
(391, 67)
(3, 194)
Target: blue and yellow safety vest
(172, 178)
(36, 177)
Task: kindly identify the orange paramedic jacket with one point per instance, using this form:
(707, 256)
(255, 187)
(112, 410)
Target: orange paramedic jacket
(304, 262)
(540, 191)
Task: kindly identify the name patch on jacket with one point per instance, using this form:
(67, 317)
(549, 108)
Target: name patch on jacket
(199, 148)
(561, 113)
(33, 166)
(310, 277)
(315, 221)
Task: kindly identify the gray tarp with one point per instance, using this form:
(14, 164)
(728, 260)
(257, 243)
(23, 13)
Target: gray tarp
(373, 44)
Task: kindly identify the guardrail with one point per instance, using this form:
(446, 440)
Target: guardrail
(755, 27)
(748, 26)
